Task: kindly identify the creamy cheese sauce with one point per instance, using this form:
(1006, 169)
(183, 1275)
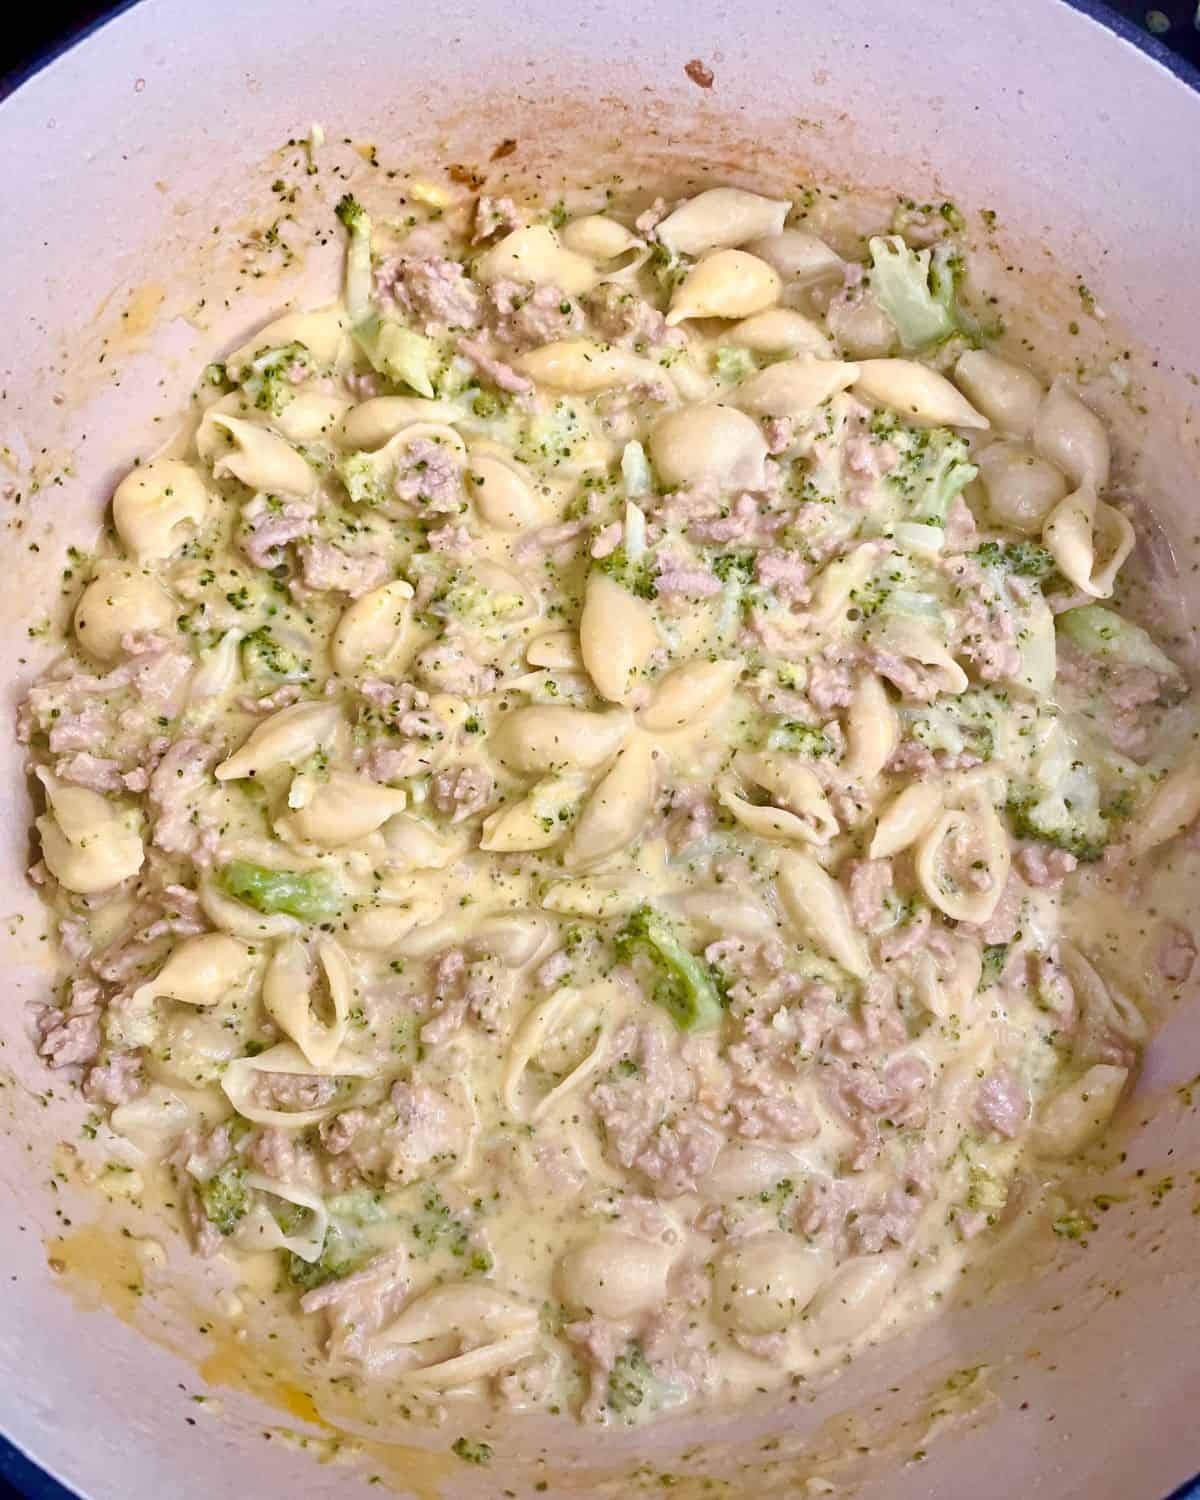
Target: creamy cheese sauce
(584, 808)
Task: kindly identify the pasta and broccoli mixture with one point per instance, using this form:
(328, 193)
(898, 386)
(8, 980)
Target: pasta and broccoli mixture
(560, 797)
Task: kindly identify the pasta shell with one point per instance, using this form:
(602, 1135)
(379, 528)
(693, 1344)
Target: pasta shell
(1173, 806)
(283, 739)
(343, 810)
(501, 1329)
(581, 367)
(720, 218)
(839, 579)
(1021, 488)
(219, 670)
(538, 821)
(598, 237)
(372, 424)
(709, 442)
(1089, 540)
(689, 694)
(979, 845)
(379, 929)
(799, 810)
(158, 506)
(910, 814)
(503, 496)
(1008, 395)
(594, 898)
(535, 255)
(200, 971)
(764, 1282)
(556, 649)
(1072, 437)
(121, 600)
(919, 394)
(725, 284)
(817, 907)
(516, 938)
(947, 989)
(322, 333)
(553, 737)
(459, 1307)
(921, 646)
(154, 1121)
(618, 809)
(615, 1275)
(259, 458)
(726, 914)
(288, 998)
(872, 729)
(794, 387)
(373, 634)
(617, 637)
(1078, 1113)
(1104, 1007)
(781, 330)
(413, 845)
(800, 258)
(89, 844)
(261, 1229)
(513, 597)
(603, 1001)
(310, 417)
(853, 1299)
(239, 1081)
(743, 1168)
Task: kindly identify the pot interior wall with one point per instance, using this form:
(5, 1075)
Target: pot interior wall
(143, 162)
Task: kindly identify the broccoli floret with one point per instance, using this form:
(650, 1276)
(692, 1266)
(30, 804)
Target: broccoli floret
(986, 1193)
(358, 257)
(311, 898)
(916, 290)
(1025, 559)
(224, 1198)
(470, 1451)
(995, 956)
(1099, 632)
(800, 738)
(1061, 801)
(359, 472)
(1068, 817)
(264, 656)
(737, 564)
(338, 1259)
(934, 467)
(352, 214)
(266, 380)
(637, 577)
(968, 724)
(632, 1383)
(465, 598)
(732, 364)
(682, 983)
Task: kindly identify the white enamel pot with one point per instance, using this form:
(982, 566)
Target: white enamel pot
(136, 163)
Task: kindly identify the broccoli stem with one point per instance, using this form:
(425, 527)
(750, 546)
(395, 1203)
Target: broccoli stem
(311, 898)
(682, 983)
(358, 257)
